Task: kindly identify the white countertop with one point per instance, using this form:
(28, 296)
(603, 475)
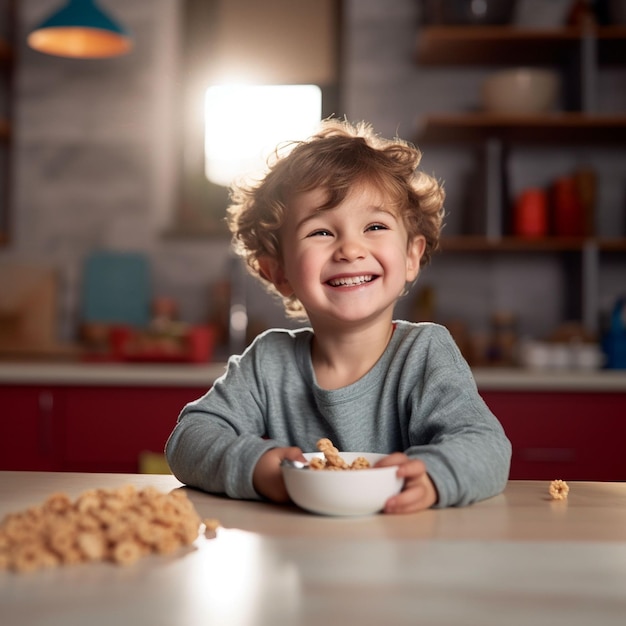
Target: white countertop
(110, 374)
(202, 375)
(518, 379)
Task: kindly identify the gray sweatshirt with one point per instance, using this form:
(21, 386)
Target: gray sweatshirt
(419, 398)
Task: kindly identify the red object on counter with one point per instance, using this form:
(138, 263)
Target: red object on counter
(569, 218)
(196, 346)
(531, 214)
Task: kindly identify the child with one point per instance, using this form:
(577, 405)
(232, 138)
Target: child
(339, 227)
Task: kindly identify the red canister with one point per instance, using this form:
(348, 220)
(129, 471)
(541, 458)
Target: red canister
(531, 214)
(569, 218)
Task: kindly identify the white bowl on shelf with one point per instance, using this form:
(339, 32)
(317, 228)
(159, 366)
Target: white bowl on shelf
(521, 90)
(344, 492)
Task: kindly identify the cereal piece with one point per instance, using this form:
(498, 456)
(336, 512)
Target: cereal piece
(126, 552)
(211, 524)
(27, 558)
(149, 533)
(332, 454)
(57, 503)
(167, 544)
(559, 490)
(88, 501)
(13, 528)
(317, 463)
(360, 463)
(61, 539)
(92, 545)
(127, 492)
(73, 556)
(188, 531)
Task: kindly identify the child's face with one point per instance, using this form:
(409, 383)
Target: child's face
(346, 264)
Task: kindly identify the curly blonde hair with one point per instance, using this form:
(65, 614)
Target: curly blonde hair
(336, 158)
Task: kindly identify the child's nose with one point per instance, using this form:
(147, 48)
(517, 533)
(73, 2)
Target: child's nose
(349, 249)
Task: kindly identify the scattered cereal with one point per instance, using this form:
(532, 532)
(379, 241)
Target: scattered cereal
(559, 490)
(333, 461)
(118, 525)
(211, 524)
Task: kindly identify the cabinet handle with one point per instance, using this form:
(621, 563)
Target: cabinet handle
(548, 455)
(46, 406)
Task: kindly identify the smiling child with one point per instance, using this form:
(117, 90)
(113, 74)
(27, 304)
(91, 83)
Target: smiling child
(339, 227)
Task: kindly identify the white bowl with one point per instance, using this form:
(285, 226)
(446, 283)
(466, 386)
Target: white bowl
(348, 492)
(521, 90)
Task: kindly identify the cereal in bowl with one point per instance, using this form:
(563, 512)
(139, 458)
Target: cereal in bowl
(333, 461)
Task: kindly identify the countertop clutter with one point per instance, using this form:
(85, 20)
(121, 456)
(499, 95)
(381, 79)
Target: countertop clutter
(518, 558)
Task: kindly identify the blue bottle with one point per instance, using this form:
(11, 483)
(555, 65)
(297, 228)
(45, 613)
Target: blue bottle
(615, 338)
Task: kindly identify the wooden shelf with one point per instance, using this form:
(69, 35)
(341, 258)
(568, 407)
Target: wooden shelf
(471, 243)
(561, 128)
(506, 45)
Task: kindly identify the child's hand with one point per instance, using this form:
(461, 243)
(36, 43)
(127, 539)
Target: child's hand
(418, 492)
(268, 478)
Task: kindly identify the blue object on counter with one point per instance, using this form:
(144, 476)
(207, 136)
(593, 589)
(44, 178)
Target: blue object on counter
(116, 289)
(614, 343)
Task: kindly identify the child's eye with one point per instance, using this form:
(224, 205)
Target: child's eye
(320, 233)
(377, 227)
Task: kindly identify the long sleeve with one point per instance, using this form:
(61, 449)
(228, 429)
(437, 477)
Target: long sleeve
(452, 430)
(218, 438)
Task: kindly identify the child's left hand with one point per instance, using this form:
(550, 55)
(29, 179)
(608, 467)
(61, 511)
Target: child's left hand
(418, 493)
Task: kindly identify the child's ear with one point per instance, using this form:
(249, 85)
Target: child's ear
(272, 270)
(415, 251)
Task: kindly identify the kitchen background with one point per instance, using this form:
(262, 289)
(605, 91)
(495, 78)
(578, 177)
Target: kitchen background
(96, 166)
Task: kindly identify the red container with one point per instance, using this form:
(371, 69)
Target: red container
(196, 345)
(531, 214)
(569, 218)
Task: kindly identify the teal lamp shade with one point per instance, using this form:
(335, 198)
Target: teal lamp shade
(80, 29)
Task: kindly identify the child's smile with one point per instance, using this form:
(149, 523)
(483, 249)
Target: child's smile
(349, 263)
(351, 281)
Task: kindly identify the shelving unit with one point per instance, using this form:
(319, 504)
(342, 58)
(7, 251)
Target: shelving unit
(578, 52)
(504, 45)
(562, 128)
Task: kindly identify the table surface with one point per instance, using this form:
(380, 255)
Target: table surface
(518, 558)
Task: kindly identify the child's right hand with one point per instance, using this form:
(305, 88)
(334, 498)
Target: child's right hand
(268, 478)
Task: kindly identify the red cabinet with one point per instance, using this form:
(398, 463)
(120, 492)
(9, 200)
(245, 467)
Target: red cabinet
(86, 428)
(108, 428)
(567, 435)
(105, 428)
(31, 427)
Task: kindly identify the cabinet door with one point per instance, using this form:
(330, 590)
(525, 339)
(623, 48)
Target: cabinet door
(108, 428)
(572, 436)
(31, 428)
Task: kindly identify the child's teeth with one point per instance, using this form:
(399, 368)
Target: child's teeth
(350, 281)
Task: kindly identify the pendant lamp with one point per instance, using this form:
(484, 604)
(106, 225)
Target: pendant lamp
(82, 30)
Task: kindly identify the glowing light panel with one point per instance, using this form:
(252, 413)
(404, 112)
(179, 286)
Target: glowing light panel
(245, 123)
